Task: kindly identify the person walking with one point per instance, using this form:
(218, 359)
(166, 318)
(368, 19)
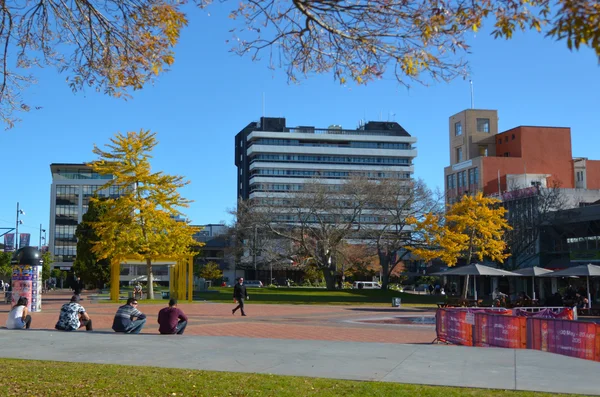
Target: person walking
(124, 318)
(18, 316)
(73, 316)
(78, 287)
(172, 320)
(239, 295)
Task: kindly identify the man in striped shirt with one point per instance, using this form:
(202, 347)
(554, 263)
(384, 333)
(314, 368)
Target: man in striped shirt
(124, 318)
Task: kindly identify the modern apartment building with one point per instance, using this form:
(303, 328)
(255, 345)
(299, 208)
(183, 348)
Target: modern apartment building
(70, 192)
(483, 159)
(273, 159)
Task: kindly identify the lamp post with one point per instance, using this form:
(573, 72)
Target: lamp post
(19, 222)
(254, 251)
(44, 238)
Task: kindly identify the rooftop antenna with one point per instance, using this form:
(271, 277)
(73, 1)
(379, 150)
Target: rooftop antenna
(263, 104)
(472, 95)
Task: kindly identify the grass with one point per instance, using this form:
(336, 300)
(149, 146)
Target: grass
(320, 296)
(314, 296)
(48, 378)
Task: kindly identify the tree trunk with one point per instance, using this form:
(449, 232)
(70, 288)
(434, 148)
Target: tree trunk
(329, 278)
(384, 261)
(465, 287)
(150, 279)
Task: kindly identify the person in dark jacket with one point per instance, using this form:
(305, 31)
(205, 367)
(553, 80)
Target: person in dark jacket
(239, 294)
(78, 286)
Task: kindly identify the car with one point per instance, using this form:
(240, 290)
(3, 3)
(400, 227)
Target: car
(366, 285)
(253, 283)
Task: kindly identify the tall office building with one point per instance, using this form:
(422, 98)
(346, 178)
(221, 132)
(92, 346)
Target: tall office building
(72, 187)
(273, 159)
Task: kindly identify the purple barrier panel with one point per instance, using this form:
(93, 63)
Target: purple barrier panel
(569, 338)
(500, 331)
(455, 326)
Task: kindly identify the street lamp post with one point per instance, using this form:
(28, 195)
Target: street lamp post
(44, 238)
(19, 212)
(254, 251)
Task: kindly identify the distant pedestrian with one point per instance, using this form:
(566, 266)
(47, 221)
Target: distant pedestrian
(73, 316)
(78, 287)
(239, 295)
(18, 316)
(124, 318)
(172, 320)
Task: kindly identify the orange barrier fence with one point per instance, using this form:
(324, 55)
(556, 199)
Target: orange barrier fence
(487, 328)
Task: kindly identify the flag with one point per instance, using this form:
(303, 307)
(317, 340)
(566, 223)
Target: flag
(9, 242)
(24, 240)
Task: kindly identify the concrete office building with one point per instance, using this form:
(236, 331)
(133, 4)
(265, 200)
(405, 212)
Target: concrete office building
(274, 160)
(70, 192)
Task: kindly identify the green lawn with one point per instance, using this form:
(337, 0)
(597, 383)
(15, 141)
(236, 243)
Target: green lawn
(321, 296)
(48, 378)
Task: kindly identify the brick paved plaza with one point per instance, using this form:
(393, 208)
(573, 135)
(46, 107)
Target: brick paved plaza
(302, 322)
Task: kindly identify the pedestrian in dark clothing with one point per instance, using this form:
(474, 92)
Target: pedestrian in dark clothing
(78, 287)
(239, 294)
(172, 320)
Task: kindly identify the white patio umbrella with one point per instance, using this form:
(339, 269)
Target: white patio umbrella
(588, 271)
(533, 272)
(475, 269)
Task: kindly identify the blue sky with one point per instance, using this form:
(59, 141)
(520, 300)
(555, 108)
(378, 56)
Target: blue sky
(210, 94)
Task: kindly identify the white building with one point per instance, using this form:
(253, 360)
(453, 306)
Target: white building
(274, 160)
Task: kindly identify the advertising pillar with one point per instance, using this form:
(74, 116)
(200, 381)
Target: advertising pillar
(27, 278)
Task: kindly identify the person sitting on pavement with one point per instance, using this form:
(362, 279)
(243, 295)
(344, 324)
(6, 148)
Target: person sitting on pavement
(124, 318)
(172, 320)
(73, 316)
(18, 316)
(137, 291)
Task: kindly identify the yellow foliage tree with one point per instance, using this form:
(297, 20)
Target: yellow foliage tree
(142, 222)
(211, 271)
(472, 228)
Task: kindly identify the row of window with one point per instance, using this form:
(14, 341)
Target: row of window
(330, 159)
(483, 125)
(327, 174)
(584, 243)
(460, 179)
(331, 218)
(351, 144)
(82, 174)
(281, 187)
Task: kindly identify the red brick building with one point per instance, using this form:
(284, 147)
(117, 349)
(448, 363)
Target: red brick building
(481, 158)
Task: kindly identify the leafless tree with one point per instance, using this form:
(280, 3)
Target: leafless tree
(393, 201)
(314, 222)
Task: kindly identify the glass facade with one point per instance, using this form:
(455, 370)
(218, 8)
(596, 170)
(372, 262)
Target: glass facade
(286, 173)
(317, 143)
(66, 220)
